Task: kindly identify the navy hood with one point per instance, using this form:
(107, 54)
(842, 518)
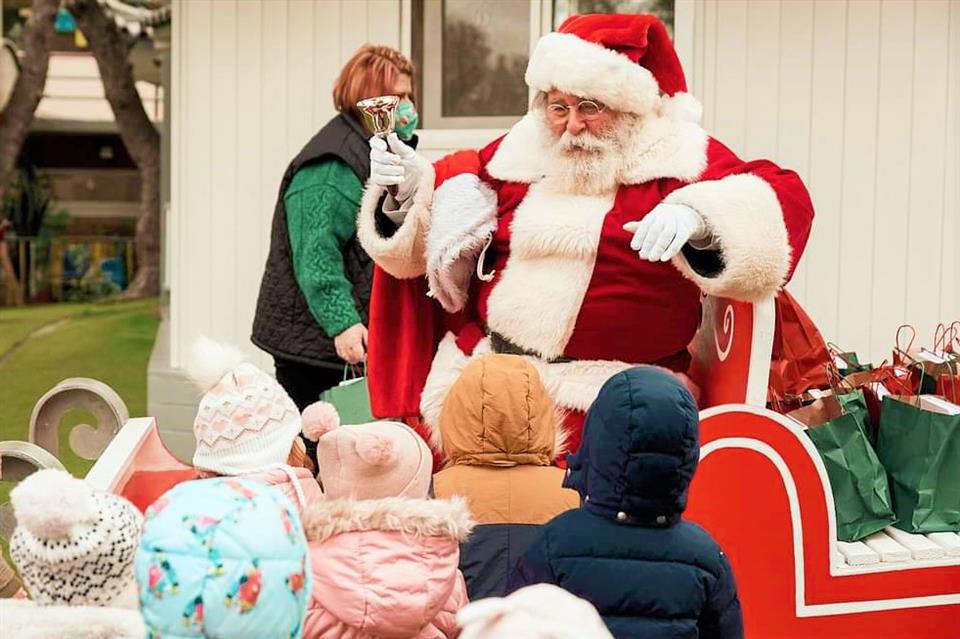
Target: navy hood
(640, 449)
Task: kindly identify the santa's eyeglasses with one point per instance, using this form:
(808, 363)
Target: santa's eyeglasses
(586, 109)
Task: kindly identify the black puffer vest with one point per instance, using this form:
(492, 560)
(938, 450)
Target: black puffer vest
(283, 325)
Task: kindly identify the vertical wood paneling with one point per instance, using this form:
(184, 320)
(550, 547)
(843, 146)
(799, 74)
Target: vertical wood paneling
(950, 244)
(730, 100)
(761, 126)
(249, 163)
(795, 83)
(383, 16)
(353, 28)
(826, 166)
(197, 228)
(927, 173)
(894, 127)
(273, 130)
(225, 226)
(859, 174)
(327, 36)
(301, 75)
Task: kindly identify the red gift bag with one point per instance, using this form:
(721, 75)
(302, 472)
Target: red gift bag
(800, 354)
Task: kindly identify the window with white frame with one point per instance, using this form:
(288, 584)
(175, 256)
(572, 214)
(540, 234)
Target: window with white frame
(471, 54)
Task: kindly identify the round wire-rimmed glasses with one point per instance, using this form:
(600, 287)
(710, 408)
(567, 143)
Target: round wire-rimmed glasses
(586, 109)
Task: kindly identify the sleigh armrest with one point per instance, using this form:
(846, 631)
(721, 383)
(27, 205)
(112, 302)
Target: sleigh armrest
(731, 351)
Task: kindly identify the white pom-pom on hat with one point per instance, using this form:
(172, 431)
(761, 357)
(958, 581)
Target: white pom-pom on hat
(50, 503)
(682, 107)
(210, 360)
(376, 449)
(319, 418)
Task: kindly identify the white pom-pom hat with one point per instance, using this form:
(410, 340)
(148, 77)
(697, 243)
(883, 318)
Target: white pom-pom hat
(246, 422)
(541, 611)
(367, 461)
(73, 545)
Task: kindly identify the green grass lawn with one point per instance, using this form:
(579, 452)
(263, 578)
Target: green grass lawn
(109, 341)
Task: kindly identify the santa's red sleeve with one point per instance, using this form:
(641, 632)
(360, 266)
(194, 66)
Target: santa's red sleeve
(405, 325)
(759, 216)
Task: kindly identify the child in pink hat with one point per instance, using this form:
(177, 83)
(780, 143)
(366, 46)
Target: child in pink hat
(384, 555)
(246, 424)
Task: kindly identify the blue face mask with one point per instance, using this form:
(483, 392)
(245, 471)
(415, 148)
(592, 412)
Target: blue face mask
(407, 120)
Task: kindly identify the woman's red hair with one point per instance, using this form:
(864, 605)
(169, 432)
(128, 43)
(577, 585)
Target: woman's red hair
(371, 71)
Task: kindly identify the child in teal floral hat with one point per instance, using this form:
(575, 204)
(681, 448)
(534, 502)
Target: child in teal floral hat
(222, 558)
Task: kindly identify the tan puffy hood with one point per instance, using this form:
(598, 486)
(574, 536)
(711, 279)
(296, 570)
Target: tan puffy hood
(498, 413)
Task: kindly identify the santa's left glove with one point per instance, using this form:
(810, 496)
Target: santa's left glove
(660, 235)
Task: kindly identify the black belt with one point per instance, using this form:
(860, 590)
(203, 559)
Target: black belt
(501, 345)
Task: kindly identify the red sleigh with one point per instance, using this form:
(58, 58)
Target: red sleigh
(761, 490)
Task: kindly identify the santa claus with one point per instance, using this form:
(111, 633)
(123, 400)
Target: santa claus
(582, 239)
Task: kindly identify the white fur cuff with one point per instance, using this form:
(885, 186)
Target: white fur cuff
(464, 218)
(403, 254)
(744, 214)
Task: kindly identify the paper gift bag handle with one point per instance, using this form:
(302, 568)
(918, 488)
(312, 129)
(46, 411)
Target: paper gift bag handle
(353, 371)
(913, 337)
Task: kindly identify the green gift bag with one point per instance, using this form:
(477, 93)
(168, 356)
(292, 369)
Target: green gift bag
(920, 448)
(861, 494)
(351, 398)
(856, 404)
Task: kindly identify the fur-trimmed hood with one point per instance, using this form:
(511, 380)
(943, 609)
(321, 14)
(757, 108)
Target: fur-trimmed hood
(386, 567)
(420, 517)
(21, 619)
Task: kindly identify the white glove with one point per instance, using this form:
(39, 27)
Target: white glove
(400, 168)
(664, 231)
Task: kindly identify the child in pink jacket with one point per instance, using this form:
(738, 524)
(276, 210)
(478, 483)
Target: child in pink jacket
(247, 425)
(384, 556)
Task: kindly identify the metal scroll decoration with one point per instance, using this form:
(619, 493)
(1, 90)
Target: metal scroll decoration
(81, 393)
(21, 459)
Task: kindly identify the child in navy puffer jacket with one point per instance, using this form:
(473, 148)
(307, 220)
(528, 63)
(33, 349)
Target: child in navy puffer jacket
(627, 549)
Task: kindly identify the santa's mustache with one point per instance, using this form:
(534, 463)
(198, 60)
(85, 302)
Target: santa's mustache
(585, 141)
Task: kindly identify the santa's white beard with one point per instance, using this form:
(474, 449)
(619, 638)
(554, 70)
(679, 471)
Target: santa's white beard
(589, 164)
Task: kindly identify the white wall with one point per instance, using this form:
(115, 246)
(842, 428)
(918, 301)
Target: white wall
(862, 98)
(252, 82)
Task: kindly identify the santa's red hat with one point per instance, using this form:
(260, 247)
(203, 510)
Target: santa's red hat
(624, 61)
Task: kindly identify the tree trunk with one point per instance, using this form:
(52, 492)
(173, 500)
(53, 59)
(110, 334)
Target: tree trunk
(110, 47)
(16, 117)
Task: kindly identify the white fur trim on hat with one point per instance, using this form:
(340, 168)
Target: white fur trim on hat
(210, 361)
(567, 63)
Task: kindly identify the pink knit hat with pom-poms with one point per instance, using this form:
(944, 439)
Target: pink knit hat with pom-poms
(367, 461)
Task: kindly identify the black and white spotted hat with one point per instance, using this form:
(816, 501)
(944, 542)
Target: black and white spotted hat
(73, 545)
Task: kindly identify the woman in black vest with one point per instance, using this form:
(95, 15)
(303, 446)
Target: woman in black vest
(314, 297)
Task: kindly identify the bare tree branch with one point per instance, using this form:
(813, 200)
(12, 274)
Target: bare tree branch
(16, 117)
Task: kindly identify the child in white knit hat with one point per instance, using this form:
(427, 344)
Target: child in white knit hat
(247, 425)
(74, 548)
(542, 611)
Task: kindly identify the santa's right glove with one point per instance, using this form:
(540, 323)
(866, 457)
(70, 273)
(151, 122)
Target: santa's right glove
(462, 222)
(398, 167)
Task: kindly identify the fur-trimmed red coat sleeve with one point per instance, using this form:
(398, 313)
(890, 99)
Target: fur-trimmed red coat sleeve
(760, 216)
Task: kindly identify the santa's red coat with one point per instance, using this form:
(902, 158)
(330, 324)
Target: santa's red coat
(566, 283)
